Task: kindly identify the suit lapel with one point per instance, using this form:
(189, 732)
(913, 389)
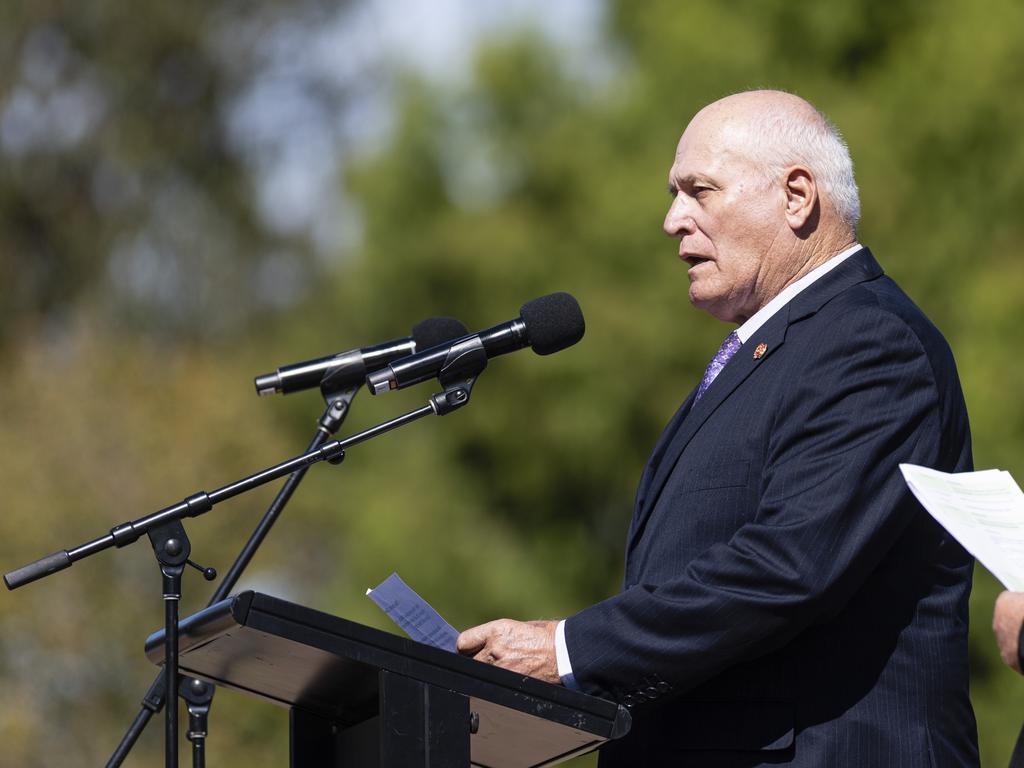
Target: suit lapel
(666, 436)
(690, 418)
(743, 363)
(655, 459)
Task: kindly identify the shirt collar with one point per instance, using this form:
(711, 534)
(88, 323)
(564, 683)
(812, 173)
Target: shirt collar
(762, 315)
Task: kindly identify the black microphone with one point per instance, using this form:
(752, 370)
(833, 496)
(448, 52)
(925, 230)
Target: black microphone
(349, 368)
(547, 325)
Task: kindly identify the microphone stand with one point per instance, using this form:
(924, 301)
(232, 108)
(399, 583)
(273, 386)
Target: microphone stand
(172, 548)
(198, 694)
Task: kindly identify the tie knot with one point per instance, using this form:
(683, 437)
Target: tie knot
(729, 347)
(725, 352)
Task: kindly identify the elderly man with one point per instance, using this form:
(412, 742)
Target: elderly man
(786, 601)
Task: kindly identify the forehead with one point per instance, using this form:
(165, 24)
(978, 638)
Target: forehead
(712, 145)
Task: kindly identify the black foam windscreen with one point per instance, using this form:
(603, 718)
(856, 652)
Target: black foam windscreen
(553, 322)
(437, 330)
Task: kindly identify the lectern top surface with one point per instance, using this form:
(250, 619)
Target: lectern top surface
(297, 656)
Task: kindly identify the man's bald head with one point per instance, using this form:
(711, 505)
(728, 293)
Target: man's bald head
(762, 193)
(777, 130)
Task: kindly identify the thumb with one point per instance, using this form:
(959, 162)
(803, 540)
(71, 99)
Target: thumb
(473, 640)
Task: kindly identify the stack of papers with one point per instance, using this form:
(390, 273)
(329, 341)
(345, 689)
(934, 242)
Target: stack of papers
(984, 511)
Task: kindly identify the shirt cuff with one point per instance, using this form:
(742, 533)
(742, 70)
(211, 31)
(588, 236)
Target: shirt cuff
(562, 657)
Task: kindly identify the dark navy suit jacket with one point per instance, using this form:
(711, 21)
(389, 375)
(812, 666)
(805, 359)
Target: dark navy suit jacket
(787, 601)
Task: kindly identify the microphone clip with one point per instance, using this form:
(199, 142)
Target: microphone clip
(465, 361)
(338, 396)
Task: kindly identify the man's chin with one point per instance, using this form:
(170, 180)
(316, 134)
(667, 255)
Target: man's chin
(702, 300)
(715, 306)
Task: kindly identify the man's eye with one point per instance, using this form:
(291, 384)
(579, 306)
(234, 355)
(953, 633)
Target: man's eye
(698, 192)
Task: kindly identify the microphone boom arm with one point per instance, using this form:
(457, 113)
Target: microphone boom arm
(202, 502)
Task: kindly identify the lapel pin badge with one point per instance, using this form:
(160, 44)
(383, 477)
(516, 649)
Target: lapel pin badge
(759, 350)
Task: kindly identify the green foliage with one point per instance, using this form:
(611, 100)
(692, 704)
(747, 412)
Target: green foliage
(529, 179)
(122, 186)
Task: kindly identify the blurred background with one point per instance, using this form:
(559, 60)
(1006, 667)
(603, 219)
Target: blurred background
(193, 193)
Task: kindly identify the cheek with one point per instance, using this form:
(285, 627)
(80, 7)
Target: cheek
(745, 267)
(737, 271)
(742, 247)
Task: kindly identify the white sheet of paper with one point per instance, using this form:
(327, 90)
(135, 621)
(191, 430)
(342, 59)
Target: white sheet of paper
(983, 510)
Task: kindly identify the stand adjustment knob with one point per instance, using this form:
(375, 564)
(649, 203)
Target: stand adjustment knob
(208, 573)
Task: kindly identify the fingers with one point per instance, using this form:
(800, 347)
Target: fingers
(475, 639)
(524, 647)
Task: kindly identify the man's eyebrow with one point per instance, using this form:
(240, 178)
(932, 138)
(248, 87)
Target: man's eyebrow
(686, 181)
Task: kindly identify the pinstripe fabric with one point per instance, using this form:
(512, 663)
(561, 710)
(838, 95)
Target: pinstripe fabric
(786, 601)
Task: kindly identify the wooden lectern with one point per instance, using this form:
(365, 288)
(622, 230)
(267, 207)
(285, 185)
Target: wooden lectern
(362, 697)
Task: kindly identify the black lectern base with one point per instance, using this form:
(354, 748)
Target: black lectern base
(418, 725)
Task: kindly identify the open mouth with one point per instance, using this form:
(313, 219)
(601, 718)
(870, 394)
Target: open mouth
(693, 261)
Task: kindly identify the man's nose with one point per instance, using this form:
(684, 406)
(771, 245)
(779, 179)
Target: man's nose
(678, 220)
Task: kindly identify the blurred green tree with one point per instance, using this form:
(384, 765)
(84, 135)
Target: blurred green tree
(127, 181)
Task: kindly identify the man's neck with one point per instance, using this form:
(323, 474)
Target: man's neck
(781, 271)
(821, 250)
(749, 325)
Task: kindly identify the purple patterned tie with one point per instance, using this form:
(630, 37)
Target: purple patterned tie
(729, 348)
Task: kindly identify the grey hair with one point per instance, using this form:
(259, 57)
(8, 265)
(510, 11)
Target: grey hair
(783, 137)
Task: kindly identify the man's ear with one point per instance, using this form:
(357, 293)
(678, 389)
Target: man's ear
(801, 198)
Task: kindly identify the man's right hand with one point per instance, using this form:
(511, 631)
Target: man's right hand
(1006, 623)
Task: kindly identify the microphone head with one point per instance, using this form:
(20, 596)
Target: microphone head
(553, 322)
(437, 330)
